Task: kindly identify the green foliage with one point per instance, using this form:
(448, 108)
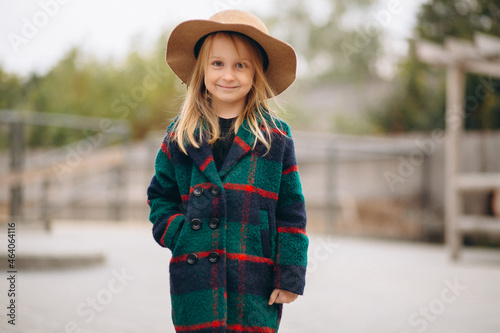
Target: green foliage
(414, 105)
(141, 89)
(419, 101)
(334, 45)
(439, 19)
(10, 90)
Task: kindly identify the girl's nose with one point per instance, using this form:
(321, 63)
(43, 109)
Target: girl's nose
(228, 74)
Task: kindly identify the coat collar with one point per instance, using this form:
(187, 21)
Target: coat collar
(204, 159)
(242, 145)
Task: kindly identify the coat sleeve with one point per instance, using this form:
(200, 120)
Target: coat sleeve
(164, 199)
(292, 241)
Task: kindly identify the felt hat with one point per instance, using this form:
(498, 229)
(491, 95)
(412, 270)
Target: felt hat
(182, 46)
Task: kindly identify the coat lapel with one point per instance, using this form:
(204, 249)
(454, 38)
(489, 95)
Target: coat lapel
(241, 146)
(203, 156)
(204, 159)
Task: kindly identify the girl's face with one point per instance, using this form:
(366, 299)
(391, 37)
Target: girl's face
(229, 75)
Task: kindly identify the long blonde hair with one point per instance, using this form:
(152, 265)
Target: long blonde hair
(197, 119)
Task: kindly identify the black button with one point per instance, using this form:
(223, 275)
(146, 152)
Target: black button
(196, 224)
(192, 258)
(198, 191)
(213, 257)
(214, 223)
(215, 191)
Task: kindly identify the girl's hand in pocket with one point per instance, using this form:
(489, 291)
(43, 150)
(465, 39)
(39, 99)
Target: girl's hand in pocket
(280, 296)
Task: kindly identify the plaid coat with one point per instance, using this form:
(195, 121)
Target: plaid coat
(235, 234)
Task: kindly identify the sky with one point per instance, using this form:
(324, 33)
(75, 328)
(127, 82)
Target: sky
(36, 34)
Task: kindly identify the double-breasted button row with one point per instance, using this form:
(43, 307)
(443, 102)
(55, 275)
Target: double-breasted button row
(213, 257)
(213, 223)
(196, 224)
(198, 191)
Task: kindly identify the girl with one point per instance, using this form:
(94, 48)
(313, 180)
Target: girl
(226, 197)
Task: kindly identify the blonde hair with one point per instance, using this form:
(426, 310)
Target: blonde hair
(197, 119)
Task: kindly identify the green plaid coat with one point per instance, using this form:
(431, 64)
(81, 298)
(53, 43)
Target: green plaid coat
(235, 234)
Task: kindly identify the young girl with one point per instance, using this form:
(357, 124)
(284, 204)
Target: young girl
(226, 197)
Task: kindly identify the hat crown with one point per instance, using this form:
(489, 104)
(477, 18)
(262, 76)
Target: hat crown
(234, 16)
(181, 55)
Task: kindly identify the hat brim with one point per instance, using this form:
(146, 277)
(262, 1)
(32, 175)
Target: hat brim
(181, 58)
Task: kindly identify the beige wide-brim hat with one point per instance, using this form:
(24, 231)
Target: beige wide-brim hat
(181, 57)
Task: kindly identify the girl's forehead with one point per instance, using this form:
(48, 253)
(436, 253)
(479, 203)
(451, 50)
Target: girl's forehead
(224, 45)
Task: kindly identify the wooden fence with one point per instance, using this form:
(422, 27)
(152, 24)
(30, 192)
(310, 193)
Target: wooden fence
(94, 154)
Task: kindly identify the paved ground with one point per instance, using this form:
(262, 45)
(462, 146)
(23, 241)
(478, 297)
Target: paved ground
(354, 285)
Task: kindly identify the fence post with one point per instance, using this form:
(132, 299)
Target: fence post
(117, 201)
(44, 206)
(17, 157)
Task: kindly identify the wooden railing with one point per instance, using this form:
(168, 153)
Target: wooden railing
(105, 152)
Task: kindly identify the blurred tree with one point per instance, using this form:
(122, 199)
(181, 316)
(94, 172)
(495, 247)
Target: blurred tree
(11, 90)
(439, 19)
(141, 89)
(419, 102)
(336, 40)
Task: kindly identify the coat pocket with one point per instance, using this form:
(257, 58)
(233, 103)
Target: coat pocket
(177, 238)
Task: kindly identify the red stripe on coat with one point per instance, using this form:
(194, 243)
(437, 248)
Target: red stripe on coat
(165, 150)
(274, 130)
(234, 256)
(206, 163)
(201, 254)
(291, 230)
(291, 169)
(168, 224)
(205, 186)
(190, 328)
(251, 189)
(246, 257)
(241, 328)
(242, 143)
(278, 131)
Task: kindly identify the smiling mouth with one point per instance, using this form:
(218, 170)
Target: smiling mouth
(225, 87)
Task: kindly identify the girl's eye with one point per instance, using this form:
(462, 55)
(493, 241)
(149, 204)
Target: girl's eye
(217, 63)
(240, 65)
